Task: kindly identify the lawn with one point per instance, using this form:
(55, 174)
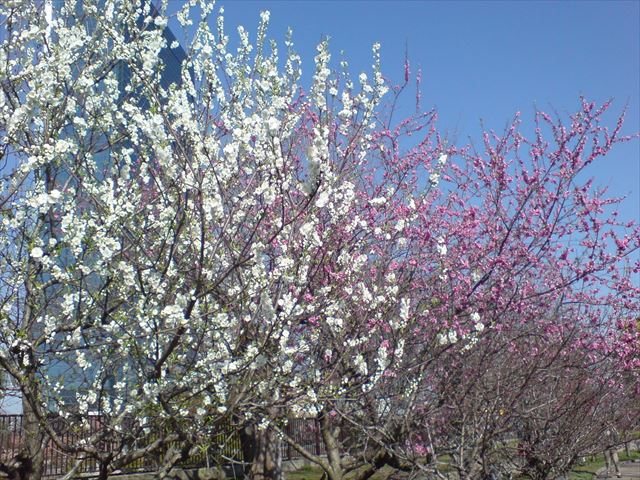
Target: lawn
(582, 472)
(315, 473)
(595, 463)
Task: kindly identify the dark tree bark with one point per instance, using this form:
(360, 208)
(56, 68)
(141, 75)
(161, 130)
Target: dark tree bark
(262, 453)
(29, 462)
(35, 441)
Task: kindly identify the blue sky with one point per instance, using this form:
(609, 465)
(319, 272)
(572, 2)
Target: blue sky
(484, 60)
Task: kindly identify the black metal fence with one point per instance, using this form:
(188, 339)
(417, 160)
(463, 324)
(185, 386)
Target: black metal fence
(223, 447)
(306, 433)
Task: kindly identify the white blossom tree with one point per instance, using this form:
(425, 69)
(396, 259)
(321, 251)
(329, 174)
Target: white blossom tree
(160, 241)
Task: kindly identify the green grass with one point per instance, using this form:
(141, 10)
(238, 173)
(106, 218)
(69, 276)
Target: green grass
(312, 472)
(589, 469)
(581, 472)
(595, 463)
(315, 473)
(305, 473)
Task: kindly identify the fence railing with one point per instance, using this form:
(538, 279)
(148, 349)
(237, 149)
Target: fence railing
(223, 446)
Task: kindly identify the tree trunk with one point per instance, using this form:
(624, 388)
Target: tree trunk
(34, 440)
(262, 453)
(332, 447)
(29, 462)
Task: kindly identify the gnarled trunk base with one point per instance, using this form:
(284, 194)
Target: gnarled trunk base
(262, 453)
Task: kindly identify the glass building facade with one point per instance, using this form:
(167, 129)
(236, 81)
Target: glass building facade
(60, 366)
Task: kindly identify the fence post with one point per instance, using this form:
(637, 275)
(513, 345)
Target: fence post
(287, 430)
(317, 432)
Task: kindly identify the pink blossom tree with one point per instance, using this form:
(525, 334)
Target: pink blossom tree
(491, 300)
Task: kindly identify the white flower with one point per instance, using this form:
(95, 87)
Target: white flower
(434, 179)
(335, 323)
(273, 124)
(37, 253)
(82, 361)
(92, 397)
(307, 229)
(441, 247)
(39, 200)
(322, 199)
(443, 159)
(404, 309)
(377, 201)
(360, 364)
(174, 313)
(231, 151)
(475, 317)
(54, 196)
(107, 247)
(263, 425)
